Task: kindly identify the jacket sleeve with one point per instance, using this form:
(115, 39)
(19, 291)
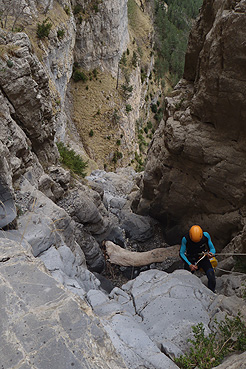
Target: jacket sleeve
(210, 243)
(183, 249)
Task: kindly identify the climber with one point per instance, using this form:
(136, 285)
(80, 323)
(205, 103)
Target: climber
(193, 245)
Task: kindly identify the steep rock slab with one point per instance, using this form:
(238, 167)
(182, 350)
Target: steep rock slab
(25, 85)
(195, 170)
(151, 317)
(102, 35)
(43, 326)
(127, 335)
(168, 305)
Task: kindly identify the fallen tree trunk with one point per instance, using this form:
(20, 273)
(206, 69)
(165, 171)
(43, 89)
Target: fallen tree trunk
(119, 256)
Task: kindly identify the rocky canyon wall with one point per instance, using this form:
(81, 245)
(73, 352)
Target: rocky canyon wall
(102, 35)
(196, 165)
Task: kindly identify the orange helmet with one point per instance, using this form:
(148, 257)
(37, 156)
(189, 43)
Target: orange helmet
(195, 233)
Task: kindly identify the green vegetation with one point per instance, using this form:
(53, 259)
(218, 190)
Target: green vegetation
(123, 59)
(67, 10)
(140, 163)
(127, 90)
(10, 63)
(91, 133)
(149, 124)
(153, 108)
(60, 33)
(79, 76)
(77, 9)
(72, 160)
(128, 108)
(173, 20)
(117, 155)
(228, 336)
(43, 29)
(115, 116)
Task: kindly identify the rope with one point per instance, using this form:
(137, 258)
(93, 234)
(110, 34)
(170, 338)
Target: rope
(229, 271)
(229, 253)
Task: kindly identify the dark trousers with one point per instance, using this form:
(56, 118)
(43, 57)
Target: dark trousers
(208, 269)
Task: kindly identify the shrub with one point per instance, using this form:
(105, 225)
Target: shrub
(208, 351)
(153, 108)
(128, 108)
(77, 9)
(72, 160)
(95, 8)
(10, 63)
(95, 72)
(123, 59)
(118, 142)
(134, 59)
(127, 89)
(43, 29)
(60, 33)
(149, 124)
(117, 155)
(91, 133)
(67, 10)
(79, 76)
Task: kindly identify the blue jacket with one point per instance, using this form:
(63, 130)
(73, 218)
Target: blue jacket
(194, 247)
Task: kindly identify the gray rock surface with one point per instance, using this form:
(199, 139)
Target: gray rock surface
(152, 315)
(7, 205)
(101, 39)
(136, 227)
(26, 85)
(234, 362)
(52, 225)
(42, 325)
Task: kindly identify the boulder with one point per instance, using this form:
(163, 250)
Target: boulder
(84, 207)
(233, 362)
(42, 222)
(50, 327)
(150, 318)
(136, 227)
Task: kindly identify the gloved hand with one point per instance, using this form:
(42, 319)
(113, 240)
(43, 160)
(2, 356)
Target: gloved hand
(193, 267)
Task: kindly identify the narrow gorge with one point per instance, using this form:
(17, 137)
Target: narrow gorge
(99, 152)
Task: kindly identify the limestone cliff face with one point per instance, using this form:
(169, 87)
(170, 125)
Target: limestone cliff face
(27, 122)
(102, 35)
(196, 164)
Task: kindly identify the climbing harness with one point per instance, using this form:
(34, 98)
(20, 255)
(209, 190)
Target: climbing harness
(213, 260)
